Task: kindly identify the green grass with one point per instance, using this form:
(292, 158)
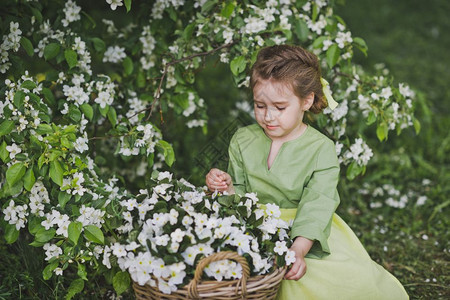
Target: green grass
(410, 38)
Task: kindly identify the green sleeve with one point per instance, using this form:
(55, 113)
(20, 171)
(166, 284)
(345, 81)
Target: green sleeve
(236, 167)
(319, 202)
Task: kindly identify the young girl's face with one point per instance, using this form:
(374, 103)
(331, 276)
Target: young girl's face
(279, 111)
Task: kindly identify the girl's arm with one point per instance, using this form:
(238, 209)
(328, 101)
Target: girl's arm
(301, 247)
(318, 202)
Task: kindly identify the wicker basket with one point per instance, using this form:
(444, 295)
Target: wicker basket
(255, 287)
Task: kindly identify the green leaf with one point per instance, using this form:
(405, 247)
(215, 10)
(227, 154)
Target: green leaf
(48, 95)
(112, 116)
(182, 100)
(333, 55)
(128, 65)
(75, 287)
(21, 157)
(360, 42)
(237, 65)
(8, 190)
(354, 170)
(18, 99)
(51, 51)
(56, 172)
(44, 235)
(74, 231)
(47, 273)
(6, 127)
(160, 206)
(74, 113)
(87, 110)
(128, 5)
(363, 49)
(99, 45)
(4, 154)
(71, 57)
(11, 233)
(63, 198)
(301, 30)
(226, 200)
(29, 179)
(169, 154)
(208, 5)
(172, 13)
(140, 80)
(27, 45)
(15, 173)
(65, 142)
(315, 12)
(34, 224)
(41, 161)
(121, 282)
(242, 210)
(382, 131)
(371, 118)
(91, 23)
(318, 43)
(104, 110)
(37, 14)
(82, 272)
(188, 31)
(417, 125)
(94, 234)
(44, 129)
(228, 9)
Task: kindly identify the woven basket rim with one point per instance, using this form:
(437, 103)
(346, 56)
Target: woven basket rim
(225, 289)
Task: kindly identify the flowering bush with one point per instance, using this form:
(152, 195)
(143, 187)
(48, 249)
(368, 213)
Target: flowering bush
(78, 128)
(172, 224)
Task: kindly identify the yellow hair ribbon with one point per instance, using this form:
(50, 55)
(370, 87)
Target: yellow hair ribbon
(327, 92)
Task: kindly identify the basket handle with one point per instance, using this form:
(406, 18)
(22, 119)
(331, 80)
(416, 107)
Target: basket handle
(205, 261)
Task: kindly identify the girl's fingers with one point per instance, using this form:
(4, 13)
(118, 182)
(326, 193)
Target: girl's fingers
(213, 188)
(292, 271)
(213, 178)
(218, 180)
(296, 274)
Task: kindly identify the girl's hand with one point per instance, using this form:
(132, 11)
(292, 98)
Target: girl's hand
(297, 270)
(301, 247)
(219, 180)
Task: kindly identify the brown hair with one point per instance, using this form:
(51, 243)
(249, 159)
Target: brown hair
(294, 66)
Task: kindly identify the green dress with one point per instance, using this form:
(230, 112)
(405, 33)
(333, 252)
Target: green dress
(302, 180)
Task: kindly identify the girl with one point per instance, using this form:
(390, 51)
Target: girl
(291, 164)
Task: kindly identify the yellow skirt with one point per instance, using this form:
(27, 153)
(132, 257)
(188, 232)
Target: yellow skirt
(347, 273)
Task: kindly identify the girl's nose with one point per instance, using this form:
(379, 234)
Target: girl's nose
(268, 116)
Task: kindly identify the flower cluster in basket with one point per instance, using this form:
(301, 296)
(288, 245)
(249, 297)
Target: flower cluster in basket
(171, 225)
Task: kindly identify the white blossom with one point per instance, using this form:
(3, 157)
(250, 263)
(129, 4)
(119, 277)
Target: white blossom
(51, 250)
(13, 150)
(71, 12)
(81, 144)
(290, 257)
(114, 54)
(280, 247)
(114, 3)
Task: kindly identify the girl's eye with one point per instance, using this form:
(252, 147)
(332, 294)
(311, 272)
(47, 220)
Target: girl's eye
(281, 108)
(259, 106)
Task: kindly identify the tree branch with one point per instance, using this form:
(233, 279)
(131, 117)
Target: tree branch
(171, 63)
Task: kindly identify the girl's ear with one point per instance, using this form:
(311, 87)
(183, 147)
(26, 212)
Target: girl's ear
(308, 101)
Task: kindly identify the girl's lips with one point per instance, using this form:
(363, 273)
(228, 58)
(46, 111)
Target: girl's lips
(271, 127)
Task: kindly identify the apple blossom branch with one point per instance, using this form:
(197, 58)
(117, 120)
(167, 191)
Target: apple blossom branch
(166, 66)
